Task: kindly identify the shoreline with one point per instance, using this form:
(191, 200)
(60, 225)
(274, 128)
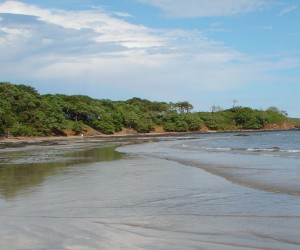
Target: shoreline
(50, 140)
(136, 202)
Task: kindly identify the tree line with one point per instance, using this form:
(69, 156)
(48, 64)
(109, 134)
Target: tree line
(25, 112)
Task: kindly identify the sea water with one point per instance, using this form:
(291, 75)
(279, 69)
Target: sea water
(202, 191)
(268, 160)
(261, 207)
(263, 160)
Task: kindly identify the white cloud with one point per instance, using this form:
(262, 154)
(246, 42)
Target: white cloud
(287, 10)
(95, 50)
(13, 34)
(96, 34)
(205, 8)
(268, 27)
(216, 24)
(122, 14)
(107, 28)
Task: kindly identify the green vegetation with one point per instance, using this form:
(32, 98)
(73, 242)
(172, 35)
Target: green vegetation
(295, 121)
(24, 112)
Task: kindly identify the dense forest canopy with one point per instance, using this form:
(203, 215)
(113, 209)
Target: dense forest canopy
(25, 112)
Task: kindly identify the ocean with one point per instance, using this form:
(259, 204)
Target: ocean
(265, 160)
(199, 191)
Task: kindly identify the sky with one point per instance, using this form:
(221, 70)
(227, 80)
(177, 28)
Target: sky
(207, 52)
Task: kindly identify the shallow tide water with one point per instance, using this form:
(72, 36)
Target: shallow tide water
(176, 193)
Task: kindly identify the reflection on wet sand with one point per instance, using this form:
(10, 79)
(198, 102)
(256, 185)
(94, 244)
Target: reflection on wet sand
(23, 169)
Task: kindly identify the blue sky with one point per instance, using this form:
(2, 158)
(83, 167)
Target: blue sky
(208, 52)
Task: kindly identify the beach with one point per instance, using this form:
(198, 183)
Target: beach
(143, 193)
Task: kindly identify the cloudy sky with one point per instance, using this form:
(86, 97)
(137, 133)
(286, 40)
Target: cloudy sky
(208, 52)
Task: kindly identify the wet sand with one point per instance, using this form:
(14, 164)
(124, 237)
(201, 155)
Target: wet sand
(136, 202)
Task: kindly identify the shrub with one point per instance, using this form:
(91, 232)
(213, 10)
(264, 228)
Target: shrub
(104, 127)
(214, 121)
(23, 130)
(77, 127)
